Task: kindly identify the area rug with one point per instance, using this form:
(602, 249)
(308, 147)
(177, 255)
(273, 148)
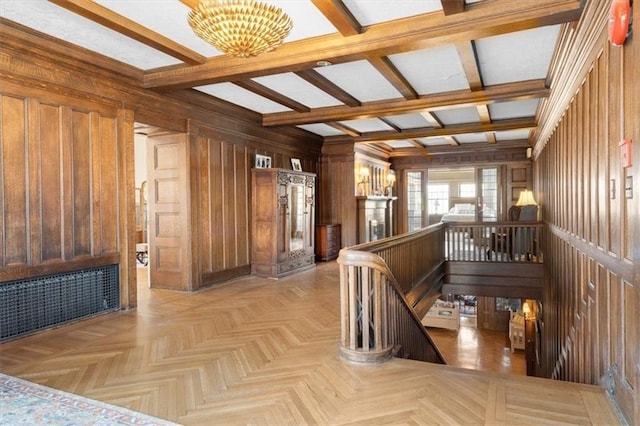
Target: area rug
(26, 403)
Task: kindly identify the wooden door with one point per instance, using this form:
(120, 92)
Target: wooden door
(169, 228)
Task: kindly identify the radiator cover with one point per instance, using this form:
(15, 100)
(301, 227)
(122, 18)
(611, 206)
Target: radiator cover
(34, 304)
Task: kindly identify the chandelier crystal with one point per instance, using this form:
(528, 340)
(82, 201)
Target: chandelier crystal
(241, 28)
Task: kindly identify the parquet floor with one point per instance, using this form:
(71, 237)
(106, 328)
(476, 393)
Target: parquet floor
(258, 351)
(479, 349)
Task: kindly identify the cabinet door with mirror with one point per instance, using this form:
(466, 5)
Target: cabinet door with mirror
(283, 221)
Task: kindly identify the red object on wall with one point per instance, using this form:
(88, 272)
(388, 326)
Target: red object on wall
(619, 16)
(625, 151)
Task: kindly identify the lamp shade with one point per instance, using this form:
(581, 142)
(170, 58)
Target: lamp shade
(526, 199)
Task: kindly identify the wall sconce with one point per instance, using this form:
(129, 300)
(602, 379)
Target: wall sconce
(391, 179)
(363, 172)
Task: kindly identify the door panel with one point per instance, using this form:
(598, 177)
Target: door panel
(168, 212)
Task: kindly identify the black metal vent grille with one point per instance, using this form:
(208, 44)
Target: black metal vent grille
(37, 303)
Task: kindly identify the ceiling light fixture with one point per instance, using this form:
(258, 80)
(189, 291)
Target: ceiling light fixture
(241, 28)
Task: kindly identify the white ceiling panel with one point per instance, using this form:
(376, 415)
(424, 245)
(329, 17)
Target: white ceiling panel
(308, 21)
(368, 12)
(435, 141)
(321, 129)
(409, 121)
(237, 95)
(298, 89)
(367, 125)
(512, 135)
(432, 70)
(515, 109)
(458, 116)
(162, 16)
(400, 144)
(75, 29)
(361, 80)
(523, 55)
(471, 138)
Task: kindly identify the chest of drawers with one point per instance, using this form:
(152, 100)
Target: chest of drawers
(328, 242)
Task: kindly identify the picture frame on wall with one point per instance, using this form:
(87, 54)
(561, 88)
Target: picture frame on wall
(296, 165)
(262, 162)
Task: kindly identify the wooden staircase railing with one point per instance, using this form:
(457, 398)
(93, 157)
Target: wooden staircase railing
(382, 285)
(493, 241)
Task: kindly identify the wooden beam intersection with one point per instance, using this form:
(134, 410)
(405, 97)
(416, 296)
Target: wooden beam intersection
(458, 129)
(504, 92)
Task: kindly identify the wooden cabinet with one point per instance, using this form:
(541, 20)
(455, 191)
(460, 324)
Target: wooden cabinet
(328, 242)
(283, 222)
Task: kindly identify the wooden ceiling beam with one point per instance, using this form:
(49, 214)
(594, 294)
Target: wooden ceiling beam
(451, 7)
(109, 19)
(462, 149)
(344, 129)
(272, 95)
(418, 32)
(338, 14)
(511, 91)
(391, 73)
(328, 86)
(457, 129)
(431, 119)
(468, 58)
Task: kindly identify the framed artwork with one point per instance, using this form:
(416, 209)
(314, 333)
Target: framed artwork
(262, 162)
(296, 165)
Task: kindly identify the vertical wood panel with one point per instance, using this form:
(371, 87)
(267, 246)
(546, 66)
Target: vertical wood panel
(34, 189)
(243, 195)
(217, 203)
(591, 160)
(95, 149)
(631, 318)
(614, 151)
(604, 314)
(203, 153)
(602, 155)
(67, 182)
(51, 182)
(229, 205)
(108, 189)
(81, 166)
(14, 162)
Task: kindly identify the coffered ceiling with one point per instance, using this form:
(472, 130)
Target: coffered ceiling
(407, 75)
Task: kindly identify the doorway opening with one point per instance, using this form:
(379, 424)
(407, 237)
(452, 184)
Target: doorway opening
(141, 196)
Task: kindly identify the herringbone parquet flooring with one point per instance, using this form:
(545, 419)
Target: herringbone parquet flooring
(258, 351)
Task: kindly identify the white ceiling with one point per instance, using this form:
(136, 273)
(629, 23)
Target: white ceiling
(438, 68)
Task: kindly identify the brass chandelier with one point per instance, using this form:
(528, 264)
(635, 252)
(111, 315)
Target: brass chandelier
(241, 28)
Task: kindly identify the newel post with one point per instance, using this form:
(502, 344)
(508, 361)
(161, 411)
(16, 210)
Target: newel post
(364, 303)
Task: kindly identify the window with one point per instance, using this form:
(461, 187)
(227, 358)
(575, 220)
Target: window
(438, 196)
(467, 190)
(414, 201)
(489, 194)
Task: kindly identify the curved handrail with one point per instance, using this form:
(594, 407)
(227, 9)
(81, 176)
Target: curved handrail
(377, 319)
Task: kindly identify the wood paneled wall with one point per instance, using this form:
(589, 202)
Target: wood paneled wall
(591, 306)
(60, 175)
(67, 166)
